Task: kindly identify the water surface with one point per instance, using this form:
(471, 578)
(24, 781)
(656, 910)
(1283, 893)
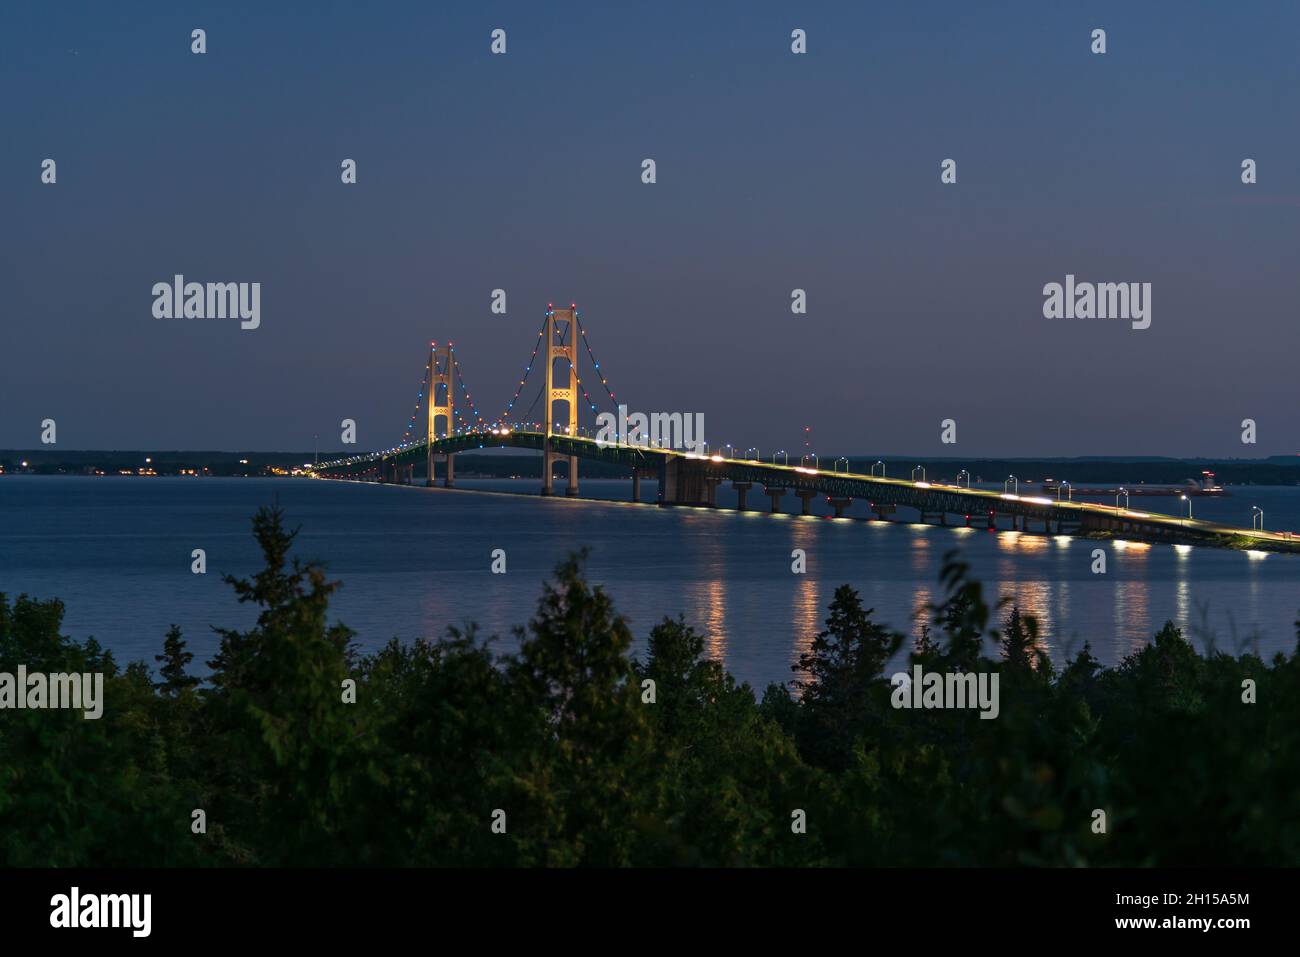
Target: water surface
(413, 560)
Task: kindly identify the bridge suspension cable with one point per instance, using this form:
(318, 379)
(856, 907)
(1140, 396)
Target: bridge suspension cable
(460, 379)
(419, 400)
(603, 381)
(505, 416)
(475, 417)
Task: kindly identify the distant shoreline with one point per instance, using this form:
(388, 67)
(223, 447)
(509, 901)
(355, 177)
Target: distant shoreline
(1275, 470)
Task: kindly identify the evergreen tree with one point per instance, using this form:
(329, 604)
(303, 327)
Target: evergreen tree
(842, 665)
(593, 780)
(962, 616)
(287, 741)
(174, 658)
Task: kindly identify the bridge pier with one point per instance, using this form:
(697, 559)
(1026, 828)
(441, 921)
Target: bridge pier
(636, 485)
(776, 494)
(668, 482)
(840, 504)
(742, 492)
(883, 510)
(449, 477)
(806, 496)
(549, 459)
(711, 491)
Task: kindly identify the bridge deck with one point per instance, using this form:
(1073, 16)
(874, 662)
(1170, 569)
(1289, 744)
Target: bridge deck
(696, 470)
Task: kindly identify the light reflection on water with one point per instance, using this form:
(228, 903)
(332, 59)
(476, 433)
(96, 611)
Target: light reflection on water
(415, 560)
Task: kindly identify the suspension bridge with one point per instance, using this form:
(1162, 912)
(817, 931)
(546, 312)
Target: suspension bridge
(692, 477)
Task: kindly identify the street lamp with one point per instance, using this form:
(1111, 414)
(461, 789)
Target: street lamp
(1123, 491)
(813, 456)
(960, 474)
(1065, 485)
(757, 456)
(1013, 482)
(785, 459)
(836, 466)
(921, 469)
(1255, 510)
(882, 469)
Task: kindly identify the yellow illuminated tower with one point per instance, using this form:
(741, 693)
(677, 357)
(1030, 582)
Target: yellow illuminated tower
(560, 326)
(440, 407)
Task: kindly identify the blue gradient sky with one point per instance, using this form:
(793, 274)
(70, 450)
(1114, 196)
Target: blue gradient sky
(775, 171)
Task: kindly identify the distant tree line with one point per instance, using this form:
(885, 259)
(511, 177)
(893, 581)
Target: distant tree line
(555, 755)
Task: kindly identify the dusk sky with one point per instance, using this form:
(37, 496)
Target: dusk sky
(775, 171)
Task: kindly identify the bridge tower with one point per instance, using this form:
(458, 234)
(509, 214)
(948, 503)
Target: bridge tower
(560, 321)
(440, 374)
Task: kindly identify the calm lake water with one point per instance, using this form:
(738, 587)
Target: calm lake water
(413, 560)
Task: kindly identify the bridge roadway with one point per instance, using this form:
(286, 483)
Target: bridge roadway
(692, 479)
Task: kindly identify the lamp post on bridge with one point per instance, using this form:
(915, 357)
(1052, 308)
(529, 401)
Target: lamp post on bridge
(960, 474)
(1065, 485)
(813, 456)
(1189, 506)
(1013, 482)
(756, 457)
(1123, 491)
(836, 465)
(1256, 514)
(921, 469)
(882, 469)
(785, 458)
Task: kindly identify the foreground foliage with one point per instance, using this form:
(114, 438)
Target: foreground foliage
(562, 737)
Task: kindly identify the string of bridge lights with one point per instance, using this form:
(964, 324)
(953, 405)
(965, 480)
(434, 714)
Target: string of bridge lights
(467, 425)
(419, 399)
(455, 364)
(505, 416)
(603, 381)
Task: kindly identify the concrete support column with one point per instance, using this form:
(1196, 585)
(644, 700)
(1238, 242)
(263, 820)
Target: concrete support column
(572, 488)
(776, 494)
(449, 480)
(840, 504)
(806, 496)
(742, 492)
(636, 485)
(668, 482)
(711, 491)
